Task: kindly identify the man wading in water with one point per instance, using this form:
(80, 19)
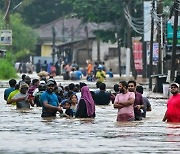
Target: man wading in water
(124, 101)
(173, 105)
(50, 104)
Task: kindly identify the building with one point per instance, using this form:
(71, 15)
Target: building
(75, 41)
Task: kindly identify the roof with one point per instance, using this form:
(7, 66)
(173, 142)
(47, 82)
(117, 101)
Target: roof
(74, 29)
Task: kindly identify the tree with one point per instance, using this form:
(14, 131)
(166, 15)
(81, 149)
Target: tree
(106, 11)
(24, 38)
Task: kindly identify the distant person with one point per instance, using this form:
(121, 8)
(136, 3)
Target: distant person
(44, 66)
(58, 68)
(74, 64)
(78, 73)
(103, 97)
(116, 91)
(147, 104)
(172, 113)
(7, 91)
(66, 76)
(89, 67)
(24, 68)
(100, 75)
(37, 95)
(124, 102)
(110, 73)
(91, 77)
(86, 105)
(38, 66)
(32, 88)
(22, 79)
(73, 75)
(53, 70)
(27, 80)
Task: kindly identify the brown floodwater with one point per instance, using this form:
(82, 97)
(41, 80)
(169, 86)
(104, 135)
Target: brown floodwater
(25, 132)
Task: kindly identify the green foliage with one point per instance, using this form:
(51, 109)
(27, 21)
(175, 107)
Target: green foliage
(7, 70)
(38, 12)
(24, 37)
(21, 54)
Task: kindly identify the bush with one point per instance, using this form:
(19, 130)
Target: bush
(7, 70)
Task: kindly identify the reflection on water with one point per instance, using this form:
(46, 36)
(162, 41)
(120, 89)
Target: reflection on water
(26, 132)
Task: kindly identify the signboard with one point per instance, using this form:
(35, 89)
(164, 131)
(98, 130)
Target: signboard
(147, 22)
(155, 53)
(170, 25)
(137, 46)
(5, 37)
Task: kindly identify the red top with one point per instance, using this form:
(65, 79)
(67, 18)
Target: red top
(173, 109)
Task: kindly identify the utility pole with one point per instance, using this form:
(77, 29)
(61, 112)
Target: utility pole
(87, 41)
(144, 49)
(7, 19)
(117, 35)
(129, 44)
(173, 58)
(119, 52)
(53, 44)
(160, 59)
(98, 48)
(151, 47)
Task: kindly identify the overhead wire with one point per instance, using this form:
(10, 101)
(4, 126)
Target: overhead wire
(7, 10)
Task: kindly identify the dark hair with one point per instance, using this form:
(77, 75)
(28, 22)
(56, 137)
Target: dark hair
(12, 82)
(76, 89)
(72, 96)
(102, 86)
(16, 86)
(34, 81)
(67, 101)
(139, 89)
(82, 84)
(71, 86)
(97, 84)
(132, 81)
(69, 93)
(116, 88)
(66, 88)
(23, 76)
(77, 85)
(124, 84)
(42, 87)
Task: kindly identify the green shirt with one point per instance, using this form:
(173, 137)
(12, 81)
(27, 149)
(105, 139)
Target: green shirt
(11, 95)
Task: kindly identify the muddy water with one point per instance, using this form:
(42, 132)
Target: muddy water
(26, 132)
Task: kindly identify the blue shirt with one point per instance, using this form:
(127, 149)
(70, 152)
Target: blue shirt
(7, 92)
(78, 74)
(51, 98)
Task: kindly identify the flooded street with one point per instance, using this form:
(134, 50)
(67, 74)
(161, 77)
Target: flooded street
(26, 132)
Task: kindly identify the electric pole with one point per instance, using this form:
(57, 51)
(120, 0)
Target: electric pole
(144, 54)
(173, 58)
(151, 47)
(53, 44)
(129, 44)
(160, 58)
(7, 19)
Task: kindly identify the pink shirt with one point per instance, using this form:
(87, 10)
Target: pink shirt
(125, 113)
